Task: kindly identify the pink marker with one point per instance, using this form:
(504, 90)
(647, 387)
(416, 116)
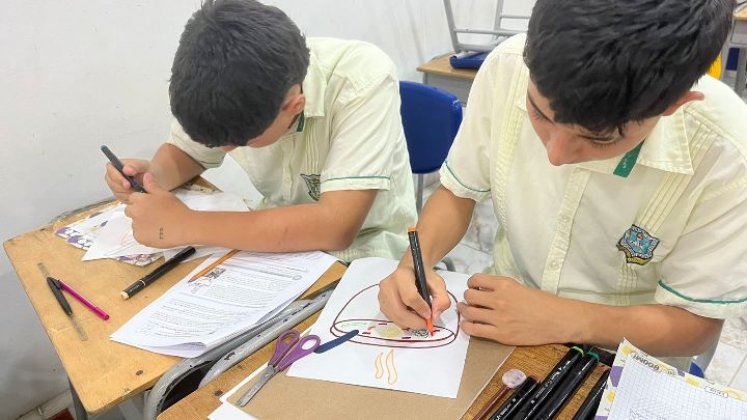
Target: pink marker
(87, 303)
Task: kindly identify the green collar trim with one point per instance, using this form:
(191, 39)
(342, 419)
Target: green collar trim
(301, 123)
(628, 162)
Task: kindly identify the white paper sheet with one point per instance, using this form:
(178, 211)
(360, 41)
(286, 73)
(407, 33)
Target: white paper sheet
(382, 355)
(643, 387)
(194, 316)
(227, 411)
(115, 239)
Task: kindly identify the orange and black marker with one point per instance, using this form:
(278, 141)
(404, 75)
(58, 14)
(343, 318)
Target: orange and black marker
(417, 260)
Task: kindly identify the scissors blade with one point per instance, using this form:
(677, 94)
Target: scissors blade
(267, 374)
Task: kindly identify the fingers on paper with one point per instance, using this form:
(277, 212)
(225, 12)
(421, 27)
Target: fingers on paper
(482, 281)
(475, 314)
(476, 329)
(395, 306)
(412, 299)
(480, 298)
(440, 302)
(476, 321)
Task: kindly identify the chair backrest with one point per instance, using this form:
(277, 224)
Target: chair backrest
(431, 118)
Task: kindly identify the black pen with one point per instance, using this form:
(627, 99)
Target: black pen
(120, 168)
(551, 382)
(54, 285)
(590, 405)
(513, 404)
(422, 284)
(158, 272)
(569, 386)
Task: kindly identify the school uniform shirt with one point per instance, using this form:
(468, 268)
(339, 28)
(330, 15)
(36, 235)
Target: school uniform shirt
(672, 231)
(349, 137)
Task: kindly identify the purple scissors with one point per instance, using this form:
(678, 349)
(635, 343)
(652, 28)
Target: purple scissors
(289, 347)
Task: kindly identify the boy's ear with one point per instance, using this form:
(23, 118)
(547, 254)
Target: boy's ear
(295, 101)
(689, 96)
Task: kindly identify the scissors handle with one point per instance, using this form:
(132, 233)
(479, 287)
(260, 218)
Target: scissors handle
(304, 346)
(284, 343)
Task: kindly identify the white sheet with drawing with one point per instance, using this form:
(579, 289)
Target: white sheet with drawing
(382, 355)
(115, 238)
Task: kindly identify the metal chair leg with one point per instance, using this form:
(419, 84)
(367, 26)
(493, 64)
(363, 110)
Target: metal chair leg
(80, 411)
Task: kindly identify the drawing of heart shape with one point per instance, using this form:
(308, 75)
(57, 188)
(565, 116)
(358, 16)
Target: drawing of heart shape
(375, 330)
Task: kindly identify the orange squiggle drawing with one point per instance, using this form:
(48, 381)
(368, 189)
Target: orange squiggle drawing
(379, 369)
(390, 368)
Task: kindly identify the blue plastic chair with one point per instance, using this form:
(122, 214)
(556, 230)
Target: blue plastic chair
(431, 118)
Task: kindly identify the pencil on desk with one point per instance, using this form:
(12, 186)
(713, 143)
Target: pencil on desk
(217, 262)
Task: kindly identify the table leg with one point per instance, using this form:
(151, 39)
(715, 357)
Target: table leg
(724, 59)
(80, 411)
(741, 72)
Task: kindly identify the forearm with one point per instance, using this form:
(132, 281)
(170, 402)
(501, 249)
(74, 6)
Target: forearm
(172, 167)
(441, 225)
(327, 225)
(660, 330)
(286, 229)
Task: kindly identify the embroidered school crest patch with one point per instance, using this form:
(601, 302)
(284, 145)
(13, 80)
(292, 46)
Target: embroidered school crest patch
(638, 245)
(312, 185)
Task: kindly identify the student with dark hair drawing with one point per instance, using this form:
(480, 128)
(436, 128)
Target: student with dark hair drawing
(315, 123)
(618, 175)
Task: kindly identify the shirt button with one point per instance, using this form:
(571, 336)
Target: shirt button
(565, 219)
(554, 265)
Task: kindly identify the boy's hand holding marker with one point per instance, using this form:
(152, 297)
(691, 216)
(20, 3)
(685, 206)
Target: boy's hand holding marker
(124, 176)
(402, 300)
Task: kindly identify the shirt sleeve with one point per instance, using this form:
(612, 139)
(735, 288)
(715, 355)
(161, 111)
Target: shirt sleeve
(206, 156)
(466, 170)
(706, 272)
(366, 130)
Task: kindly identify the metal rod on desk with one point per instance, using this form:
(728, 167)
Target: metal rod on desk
(264, 337)
(163, 389)
(233, 351)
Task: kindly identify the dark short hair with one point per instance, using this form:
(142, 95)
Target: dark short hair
(604, 63)
(236, 62)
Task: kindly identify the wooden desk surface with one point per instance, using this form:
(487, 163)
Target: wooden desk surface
(103, 372)
(535, 361)
(440, 66)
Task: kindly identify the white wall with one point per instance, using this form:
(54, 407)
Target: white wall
(78, 74)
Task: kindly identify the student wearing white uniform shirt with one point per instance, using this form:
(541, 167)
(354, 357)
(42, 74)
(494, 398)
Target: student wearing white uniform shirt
(618, 175)
(315, 124)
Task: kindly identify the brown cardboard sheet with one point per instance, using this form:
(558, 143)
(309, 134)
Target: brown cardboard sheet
(287, 397)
